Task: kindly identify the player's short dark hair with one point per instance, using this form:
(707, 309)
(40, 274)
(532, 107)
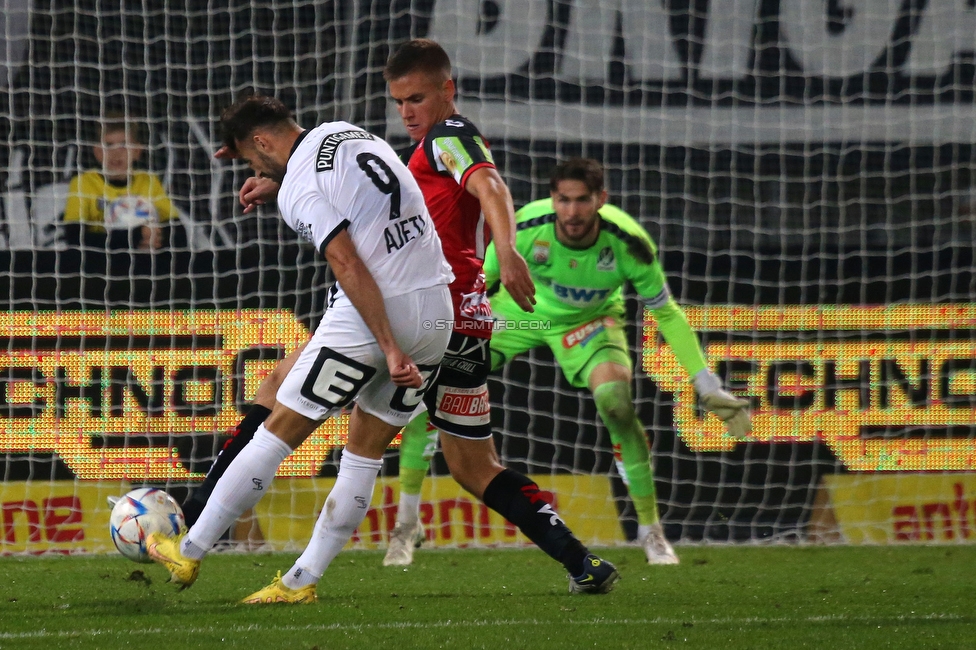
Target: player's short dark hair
(251, 111)
(418, 55)
(586, 170)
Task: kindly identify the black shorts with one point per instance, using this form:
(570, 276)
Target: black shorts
(457, 401)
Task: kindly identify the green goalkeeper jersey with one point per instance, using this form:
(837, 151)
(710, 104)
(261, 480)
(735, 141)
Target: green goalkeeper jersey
(579, 285)
(575, 285)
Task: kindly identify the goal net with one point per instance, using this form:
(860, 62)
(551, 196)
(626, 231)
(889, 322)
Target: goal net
(805, 168)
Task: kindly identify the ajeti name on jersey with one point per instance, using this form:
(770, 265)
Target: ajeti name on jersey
(340, 177)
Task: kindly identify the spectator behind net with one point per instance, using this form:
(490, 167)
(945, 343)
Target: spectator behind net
(118, 207)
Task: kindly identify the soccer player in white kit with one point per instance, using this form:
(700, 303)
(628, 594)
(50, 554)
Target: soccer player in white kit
(346, 191)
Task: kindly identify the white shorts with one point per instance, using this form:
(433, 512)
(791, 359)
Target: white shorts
(342, 362)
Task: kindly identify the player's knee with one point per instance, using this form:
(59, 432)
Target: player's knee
(291, 427)
(475, 481)
(614, 402)
(473, 474)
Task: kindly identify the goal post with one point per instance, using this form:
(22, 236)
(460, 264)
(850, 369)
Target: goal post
(805, 168)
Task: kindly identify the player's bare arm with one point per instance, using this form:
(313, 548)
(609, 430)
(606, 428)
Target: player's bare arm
(357, 282)
(497, 206)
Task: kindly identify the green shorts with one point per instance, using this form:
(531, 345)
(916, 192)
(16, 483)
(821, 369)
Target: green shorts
(578, 347)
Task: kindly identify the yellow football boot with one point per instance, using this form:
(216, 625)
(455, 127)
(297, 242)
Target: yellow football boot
(166, 551)
(277, 592)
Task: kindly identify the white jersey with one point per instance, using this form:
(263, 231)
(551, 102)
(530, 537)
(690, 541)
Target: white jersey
(340, 177)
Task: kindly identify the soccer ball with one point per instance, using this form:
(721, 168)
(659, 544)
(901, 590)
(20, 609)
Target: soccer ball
(139, 513)
(130, 212)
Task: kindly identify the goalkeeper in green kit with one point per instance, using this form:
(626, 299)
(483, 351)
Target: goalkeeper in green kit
(580, 252)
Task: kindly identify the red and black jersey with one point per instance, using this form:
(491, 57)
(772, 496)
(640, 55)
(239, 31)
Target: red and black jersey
(442, 163)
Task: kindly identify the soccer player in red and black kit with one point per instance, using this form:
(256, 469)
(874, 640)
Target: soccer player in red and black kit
(463, 190)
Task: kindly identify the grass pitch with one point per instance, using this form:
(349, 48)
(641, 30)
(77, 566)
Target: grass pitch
(719, 597)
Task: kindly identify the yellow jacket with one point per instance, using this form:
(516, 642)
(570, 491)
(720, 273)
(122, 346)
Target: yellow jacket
(89, 195)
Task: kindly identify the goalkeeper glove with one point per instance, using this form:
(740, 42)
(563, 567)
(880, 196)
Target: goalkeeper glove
(734, 412)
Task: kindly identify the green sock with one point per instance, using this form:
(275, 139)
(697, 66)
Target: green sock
(646, 507)
(418, 442)
(630, 448)
(411, 480)
(417, 446)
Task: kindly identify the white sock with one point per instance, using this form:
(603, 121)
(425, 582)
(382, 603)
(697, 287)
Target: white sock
(408, 514)
(643, 530)
(190, 550)
(344, 510)
(246, 480)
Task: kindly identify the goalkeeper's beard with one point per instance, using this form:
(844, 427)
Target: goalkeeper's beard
(581, 236)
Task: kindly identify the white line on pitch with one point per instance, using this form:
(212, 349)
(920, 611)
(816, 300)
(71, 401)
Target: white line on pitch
(340, 627)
